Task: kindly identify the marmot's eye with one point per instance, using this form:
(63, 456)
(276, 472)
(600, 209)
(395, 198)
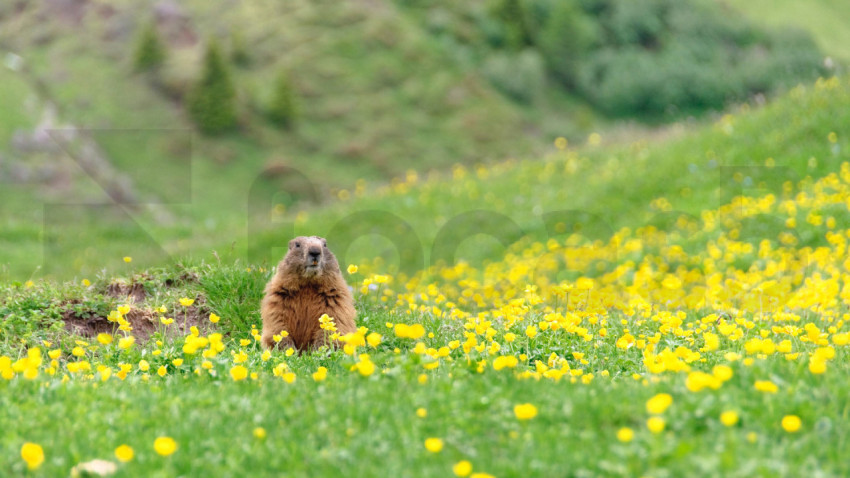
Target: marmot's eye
(297, 244)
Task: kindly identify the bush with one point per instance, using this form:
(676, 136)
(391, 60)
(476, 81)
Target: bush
(212, 102)
(150, 52)
(514, 26)
(282, 108)
(565, 39)
(684, 56)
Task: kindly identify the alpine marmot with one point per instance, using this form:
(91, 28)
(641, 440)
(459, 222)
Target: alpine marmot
(307, 284)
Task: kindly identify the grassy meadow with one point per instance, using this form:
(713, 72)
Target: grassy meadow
(619, 329)
(619, 253)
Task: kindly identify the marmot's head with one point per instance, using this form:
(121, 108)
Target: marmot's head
(309, 258)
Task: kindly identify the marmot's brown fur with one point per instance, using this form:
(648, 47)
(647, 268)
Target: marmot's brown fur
(307, 284)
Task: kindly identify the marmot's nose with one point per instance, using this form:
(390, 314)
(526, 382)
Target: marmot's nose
(314, 252)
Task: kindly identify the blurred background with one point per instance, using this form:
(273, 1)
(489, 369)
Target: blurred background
(165, 129)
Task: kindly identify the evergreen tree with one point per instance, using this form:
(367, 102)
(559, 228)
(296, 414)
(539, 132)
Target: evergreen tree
(512, 15)
(565, 40)
(150, 52)
(282, 108)
(212, 102)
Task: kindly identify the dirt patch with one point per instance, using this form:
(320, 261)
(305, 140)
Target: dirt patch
(144, 322)
(87, 326)
(135, 293)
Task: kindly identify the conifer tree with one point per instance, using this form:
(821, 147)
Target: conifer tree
(282, 108)
(212, 102)
(150, 52)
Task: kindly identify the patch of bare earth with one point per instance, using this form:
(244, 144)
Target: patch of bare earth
(144, 320)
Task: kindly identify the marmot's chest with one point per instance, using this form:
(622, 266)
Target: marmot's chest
(305, 309)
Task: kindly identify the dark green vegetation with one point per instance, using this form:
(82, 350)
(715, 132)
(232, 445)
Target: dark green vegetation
(646, 59)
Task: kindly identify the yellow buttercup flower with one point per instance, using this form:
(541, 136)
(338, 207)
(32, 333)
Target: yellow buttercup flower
(124, 453)
(791, 423)
(238, 372)
(659, 403)
(655, 424)
(729, 418)
(625, 434)
(434, 445)
(165, 446)
(525, 411)
(33, 455)
(462, 468)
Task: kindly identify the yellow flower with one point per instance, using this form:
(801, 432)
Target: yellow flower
(125, 343)
(260, 433)
(729, 418)
(55, 354)
(405, 331)
(434, 445)
(144, 366)
(561, 143)
(659, 403)
(124, 453)
(214, 318)
(104, 339)
(625, 434)
(766, 386)
(791, 423)
(185, 302)
(462, 468)
(165, 446)
(177, 362)
(655, 424)
(525, 411)
(817, 367)
(86, 282)
(320, 374)
(531, 331)
(421, 412)
(128, 259)
(352, 269)
(33, 454)
(162, 371)
(78, 351)
(238, 372)
(374, 339)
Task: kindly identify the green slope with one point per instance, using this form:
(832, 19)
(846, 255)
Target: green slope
(826, 20)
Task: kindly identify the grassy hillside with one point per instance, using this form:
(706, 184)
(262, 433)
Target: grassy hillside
(824, 19)
(710, 344)
(591, 190)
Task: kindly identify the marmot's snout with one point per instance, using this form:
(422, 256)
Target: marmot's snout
(314, 254)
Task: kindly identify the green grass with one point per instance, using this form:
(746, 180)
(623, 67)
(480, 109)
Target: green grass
(824, 19)
(591, 190)
(368, 426)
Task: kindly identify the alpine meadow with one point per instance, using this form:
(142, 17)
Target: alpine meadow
(583, 237)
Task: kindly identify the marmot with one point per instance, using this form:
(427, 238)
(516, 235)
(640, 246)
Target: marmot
(307, 284)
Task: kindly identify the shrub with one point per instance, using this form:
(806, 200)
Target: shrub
(565, 39)
(282, 108)
(212, 102)
(150, 52)
(515, 30)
